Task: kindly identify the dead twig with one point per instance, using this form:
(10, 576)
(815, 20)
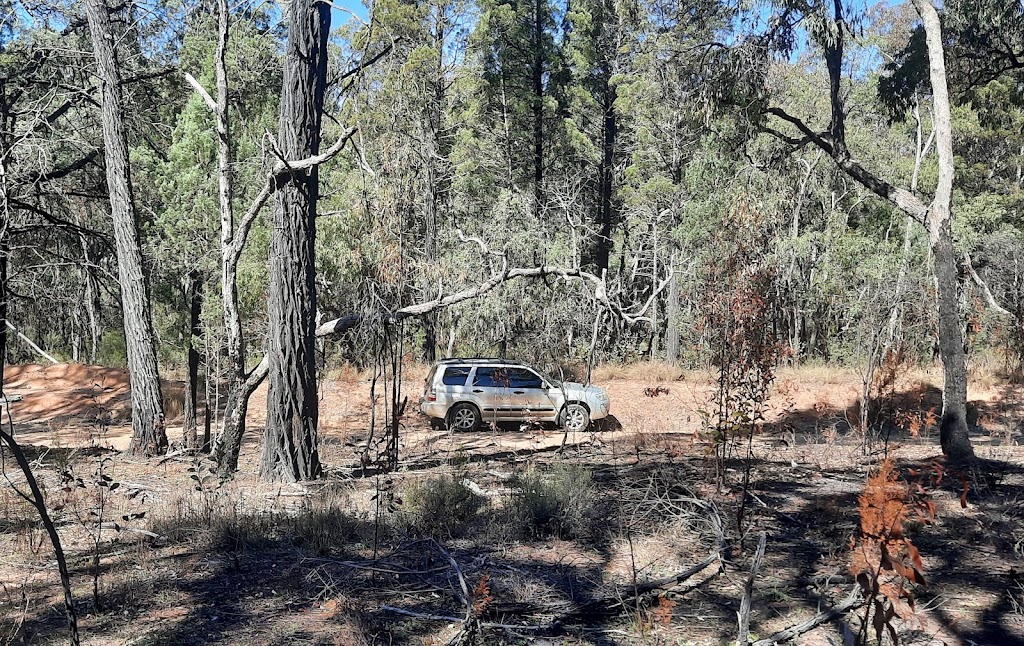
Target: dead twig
(748, 592)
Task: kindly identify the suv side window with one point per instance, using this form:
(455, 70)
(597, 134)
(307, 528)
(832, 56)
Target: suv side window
(523, 378)
(491, 377)
(455, 376)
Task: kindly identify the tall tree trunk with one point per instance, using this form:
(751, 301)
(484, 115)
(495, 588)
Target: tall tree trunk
(434, 155)
(953, 431)
(606, 170)
(672, 314)
(538, 106)
(229, 439)
(290, 443)
(921, 151)
(149, 436)
(92, 300)
(5, 251)
(194, 297)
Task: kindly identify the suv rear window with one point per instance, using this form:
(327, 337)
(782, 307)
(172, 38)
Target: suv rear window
(455, 376)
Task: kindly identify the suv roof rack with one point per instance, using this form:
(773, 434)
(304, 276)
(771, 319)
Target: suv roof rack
(480, 360)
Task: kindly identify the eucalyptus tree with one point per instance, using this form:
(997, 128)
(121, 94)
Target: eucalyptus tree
(149, 436)
(290, 441)
(832, 30)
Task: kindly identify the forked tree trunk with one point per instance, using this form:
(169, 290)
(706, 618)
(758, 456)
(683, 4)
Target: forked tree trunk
(290, 450)
(936, 217)
(240, 389)
(149, 436)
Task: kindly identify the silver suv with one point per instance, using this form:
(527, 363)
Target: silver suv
(465, 393)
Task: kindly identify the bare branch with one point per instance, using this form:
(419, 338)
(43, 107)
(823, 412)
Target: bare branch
(201, 91)
(985, 291)
(901, 198)
(599, 293)
(854, 600)
(282, 168)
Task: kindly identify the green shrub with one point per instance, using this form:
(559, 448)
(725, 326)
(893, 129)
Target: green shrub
(560, 503)
(439, 506)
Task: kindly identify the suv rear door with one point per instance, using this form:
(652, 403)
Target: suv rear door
(490, 388)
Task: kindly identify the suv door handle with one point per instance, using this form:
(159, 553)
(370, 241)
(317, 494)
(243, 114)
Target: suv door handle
(518, 392)
(477, 390)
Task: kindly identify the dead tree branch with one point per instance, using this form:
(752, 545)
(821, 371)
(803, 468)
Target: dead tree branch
(985, 291)
(598, 287)
(748, 593)
(852, 601)
(38, 501)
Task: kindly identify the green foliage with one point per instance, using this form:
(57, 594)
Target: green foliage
(440, 507)
(111, 351)
(560, 503)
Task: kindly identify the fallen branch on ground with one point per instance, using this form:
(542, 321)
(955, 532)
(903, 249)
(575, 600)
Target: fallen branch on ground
(852, 601)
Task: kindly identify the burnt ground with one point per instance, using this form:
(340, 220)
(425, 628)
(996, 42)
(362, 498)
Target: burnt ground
(360, 558)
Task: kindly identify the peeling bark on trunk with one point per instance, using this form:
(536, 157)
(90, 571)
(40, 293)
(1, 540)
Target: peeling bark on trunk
(149, 436)
(290, 450)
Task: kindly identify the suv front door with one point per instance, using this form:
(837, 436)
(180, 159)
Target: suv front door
(528, 398)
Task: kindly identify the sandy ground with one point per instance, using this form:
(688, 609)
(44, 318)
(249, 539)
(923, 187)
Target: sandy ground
(807, 476)
(71, 406)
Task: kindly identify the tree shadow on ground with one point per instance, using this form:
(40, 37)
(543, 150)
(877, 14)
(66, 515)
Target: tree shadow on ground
(903, 415)
(260, 584)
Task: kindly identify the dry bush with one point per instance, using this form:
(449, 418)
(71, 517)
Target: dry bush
(322, 523)
(439, 507)
(561, 503)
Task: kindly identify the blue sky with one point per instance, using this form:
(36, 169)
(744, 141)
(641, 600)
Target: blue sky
(339, 17)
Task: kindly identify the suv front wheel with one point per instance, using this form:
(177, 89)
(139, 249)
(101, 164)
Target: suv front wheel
(463, 417)
(575, 418)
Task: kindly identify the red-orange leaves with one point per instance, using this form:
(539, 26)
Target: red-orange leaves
(883, 559)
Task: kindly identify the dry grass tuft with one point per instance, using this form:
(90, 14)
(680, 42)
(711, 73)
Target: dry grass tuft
(440, 507)
(222, 518)
(647, 371)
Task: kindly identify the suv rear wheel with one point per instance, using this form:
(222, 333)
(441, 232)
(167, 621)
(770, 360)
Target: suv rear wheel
(463, 417)
(575, 417)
